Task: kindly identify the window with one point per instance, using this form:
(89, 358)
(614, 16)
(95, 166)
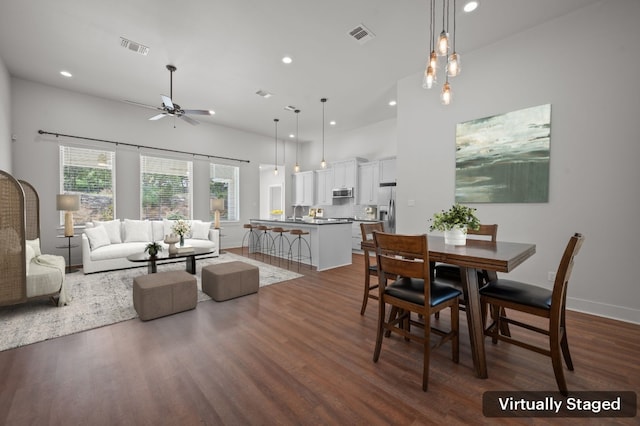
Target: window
(166, 188)
(225, 184)
(90, 173)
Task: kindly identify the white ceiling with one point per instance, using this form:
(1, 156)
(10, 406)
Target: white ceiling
(226, 50)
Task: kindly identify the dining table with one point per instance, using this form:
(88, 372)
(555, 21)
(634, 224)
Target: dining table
(474, 256)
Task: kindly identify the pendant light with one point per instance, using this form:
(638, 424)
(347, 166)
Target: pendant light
(297, 166)
(432, 63)
(445, 96)
(275, 171)
(453, 64)
(443, 40)
(323, 163)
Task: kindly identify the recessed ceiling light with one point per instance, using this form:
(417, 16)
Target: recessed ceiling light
(332, 123)
(287, 60)
(392, 103)
(264, 93)
(211, 112)
(66, 74)
(470, 6)
(291, 135)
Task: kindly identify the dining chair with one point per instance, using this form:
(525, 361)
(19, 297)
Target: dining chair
(451, 273)
(367, 229)
(407, 257)
(540, 302)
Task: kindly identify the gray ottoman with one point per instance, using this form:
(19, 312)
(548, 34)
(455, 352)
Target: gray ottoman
(164, 293)
(226, 281)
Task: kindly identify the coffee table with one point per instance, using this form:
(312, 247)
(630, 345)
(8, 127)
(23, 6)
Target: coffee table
(163, 256)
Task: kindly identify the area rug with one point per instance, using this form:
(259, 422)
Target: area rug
(101, 299)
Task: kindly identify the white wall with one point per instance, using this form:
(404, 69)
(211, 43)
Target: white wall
(35, 157)
(5, 119)
(586, 65)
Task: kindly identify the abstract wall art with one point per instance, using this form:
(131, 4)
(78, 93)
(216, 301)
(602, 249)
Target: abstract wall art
(504, 158)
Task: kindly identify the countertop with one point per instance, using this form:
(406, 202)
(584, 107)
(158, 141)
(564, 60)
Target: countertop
(317, 221)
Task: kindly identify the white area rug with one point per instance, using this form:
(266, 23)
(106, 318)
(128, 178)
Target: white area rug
(101, 299)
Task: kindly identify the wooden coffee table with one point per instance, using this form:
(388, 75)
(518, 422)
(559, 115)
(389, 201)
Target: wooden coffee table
(164, 256)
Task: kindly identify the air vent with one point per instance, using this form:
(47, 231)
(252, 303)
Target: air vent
(290, 108)
(133, 46)
(264, 93)
(361, 34)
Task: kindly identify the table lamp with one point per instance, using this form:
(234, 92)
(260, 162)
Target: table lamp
(217, 204)
(68, 203)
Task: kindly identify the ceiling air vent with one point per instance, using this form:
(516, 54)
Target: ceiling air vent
(264, 93)
(361, 34)
(133, 46)
(290, 108)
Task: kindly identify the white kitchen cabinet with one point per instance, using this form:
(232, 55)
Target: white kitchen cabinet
(324, 185)
(345, 173)
(388, 171)
(303, 189)
(368, 183)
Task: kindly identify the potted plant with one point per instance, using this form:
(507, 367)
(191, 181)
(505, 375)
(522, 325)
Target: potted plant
(153, 249)
(181, 228)
(454, 223)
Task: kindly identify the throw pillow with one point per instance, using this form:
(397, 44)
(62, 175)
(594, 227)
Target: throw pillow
(137, 230)
(113, 229)
(35, 245)
(97, 236)
(200, 230)
(29, 254)
(168, 226)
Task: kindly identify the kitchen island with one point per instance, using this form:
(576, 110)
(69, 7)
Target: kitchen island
(330, 239)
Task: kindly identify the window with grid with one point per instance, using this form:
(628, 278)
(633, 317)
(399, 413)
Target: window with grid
(166, 188)
(225, 184)
(91, 174)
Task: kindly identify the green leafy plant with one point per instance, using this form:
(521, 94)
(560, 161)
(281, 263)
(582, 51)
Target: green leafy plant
(153, 249)
(457, 216)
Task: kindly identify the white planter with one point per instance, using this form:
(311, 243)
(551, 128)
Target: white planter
(456, 237)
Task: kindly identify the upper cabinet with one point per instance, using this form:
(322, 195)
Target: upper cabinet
(303, 188)
(368, 183)
(345, 173)
(388, 170)
(324, 185)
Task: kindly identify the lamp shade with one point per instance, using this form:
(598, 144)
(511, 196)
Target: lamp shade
(68, 202)
(217, 204)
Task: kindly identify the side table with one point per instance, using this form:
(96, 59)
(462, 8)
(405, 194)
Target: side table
(68, 246)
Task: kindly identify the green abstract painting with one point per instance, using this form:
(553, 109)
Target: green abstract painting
(504, 158)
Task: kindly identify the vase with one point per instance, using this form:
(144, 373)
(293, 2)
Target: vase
(456, 236)
(181, 240)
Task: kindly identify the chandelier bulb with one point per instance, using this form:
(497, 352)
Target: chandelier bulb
(296, 168)
(275, 172)
(323, 164)
(429, 78)
(453, 65)
(443, 44)
(445, 96)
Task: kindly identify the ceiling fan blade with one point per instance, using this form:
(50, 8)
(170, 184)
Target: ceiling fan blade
(197, 112)
(167, 102)
(142, 105)
(158, 117)
(189, 120)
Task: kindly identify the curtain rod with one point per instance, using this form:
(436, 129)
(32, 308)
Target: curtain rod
(42, 132)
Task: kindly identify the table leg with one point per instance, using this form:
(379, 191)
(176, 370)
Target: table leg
(152, 267)
(191, 264)
(474, 320)
(504, 326)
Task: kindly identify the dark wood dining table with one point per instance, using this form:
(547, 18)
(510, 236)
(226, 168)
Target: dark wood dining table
(476, 255)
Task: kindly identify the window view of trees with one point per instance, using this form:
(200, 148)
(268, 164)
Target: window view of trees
(224, 185)
(89, 173)
(166, 188)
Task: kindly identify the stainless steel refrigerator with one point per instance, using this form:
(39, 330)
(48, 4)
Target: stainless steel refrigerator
(387, 205)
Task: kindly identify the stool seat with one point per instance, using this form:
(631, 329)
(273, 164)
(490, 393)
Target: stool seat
(298, 232)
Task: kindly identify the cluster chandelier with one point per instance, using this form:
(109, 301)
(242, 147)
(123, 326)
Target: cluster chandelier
(442, 48)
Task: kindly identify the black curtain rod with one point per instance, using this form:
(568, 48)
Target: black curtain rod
(42, 132)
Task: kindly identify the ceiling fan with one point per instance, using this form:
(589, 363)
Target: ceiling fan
(169, 108)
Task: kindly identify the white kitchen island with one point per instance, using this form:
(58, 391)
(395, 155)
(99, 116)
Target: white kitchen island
(330, 239)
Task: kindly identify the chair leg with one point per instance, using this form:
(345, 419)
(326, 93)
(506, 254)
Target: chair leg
(381, 313)
(556, 360)
(455, 328)
(426, 352)
(365, 298)
(495, 313)
(564, 343)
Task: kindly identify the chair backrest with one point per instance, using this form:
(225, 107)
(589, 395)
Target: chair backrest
(367, 229)
(13, 273)
(490, 231)
(559, 296)
(405, 256)
(32, 210)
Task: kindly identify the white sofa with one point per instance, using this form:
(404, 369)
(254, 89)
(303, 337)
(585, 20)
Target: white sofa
(106, 245)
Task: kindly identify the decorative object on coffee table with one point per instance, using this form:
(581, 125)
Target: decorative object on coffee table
(153, 249)
(181, 228)
(172, 239)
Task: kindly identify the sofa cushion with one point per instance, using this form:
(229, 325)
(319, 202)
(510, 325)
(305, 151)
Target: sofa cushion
(200, 230)
(137, 231)
(35, 245)
(113, 229)
(157, 230)
(117, 251)
(98, 237)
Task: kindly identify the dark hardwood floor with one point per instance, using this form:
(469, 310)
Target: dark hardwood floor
(298, 352)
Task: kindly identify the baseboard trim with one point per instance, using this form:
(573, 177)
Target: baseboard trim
(620, 313)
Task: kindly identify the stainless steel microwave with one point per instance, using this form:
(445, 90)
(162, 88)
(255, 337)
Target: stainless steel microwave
(343, 193)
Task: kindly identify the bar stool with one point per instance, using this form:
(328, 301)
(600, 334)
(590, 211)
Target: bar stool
(298, 239)
(265, 244)
(251, 237)
(280, 242)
